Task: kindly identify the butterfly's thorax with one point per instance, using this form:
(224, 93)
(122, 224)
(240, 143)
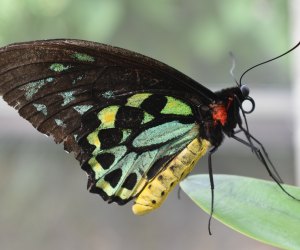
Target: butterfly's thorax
(221, 116)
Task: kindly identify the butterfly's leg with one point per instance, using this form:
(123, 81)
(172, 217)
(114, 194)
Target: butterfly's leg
(264, 152)
(261, 158)
(178, 192)
(212, 186)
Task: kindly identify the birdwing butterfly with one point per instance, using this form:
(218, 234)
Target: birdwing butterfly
(136, 125)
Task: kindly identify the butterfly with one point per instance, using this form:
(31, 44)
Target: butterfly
(136, 125)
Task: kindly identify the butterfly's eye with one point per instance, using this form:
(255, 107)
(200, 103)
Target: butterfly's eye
(248, 105)
(245, 90)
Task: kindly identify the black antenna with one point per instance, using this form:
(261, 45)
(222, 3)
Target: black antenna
(268, 61)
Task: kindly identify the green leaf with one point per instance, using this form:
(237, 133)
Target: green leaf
(257, 208)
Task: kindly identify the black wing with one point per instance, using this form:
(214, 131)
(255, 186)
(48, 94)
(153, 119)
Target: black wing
(52, 83)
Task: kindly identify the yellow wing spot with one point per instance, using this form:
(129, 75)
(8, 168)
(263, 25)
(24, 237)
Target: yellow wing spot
(107, 116)
(105, 186)
(93, 139)
(124, 193)
(137, 99)
(97, 168)
(157, 190)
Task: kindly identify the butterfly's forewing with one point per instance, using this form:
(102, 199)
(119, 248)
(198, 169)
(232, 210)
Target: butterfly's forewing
(123, 115)
(49, 86)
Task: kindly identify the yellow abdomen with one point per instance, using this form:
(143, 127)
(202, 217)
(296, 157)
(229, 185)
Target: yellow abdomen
(157, 190)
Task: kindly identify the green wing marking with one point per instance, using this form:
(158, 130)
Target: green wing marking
(133, 141)
(161, 133)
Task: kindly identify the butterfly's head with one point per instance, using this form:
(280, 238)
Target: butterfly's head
(233, 102)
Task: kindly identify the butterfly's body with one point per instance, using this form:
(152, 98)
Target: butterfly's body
(137, 126)
(156, 191)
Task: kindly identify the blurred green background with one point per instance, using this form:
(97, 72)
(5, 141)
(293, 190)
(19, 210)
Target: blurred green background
(43, 199)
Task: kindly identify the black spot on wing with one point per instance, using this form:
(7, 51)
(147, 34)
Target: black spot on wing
(90, 120)
(110, 137)
(113, 177)
(86, 146)
(154, 104)
(105, 160)
(130, 181)
(129, 117)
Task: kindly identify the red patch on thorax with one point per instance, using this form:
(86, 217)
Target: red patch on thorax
(219, 113)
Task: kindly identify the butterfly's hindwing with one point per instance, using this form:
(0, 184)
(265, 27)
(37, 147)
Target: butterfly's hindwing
(131, 139)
